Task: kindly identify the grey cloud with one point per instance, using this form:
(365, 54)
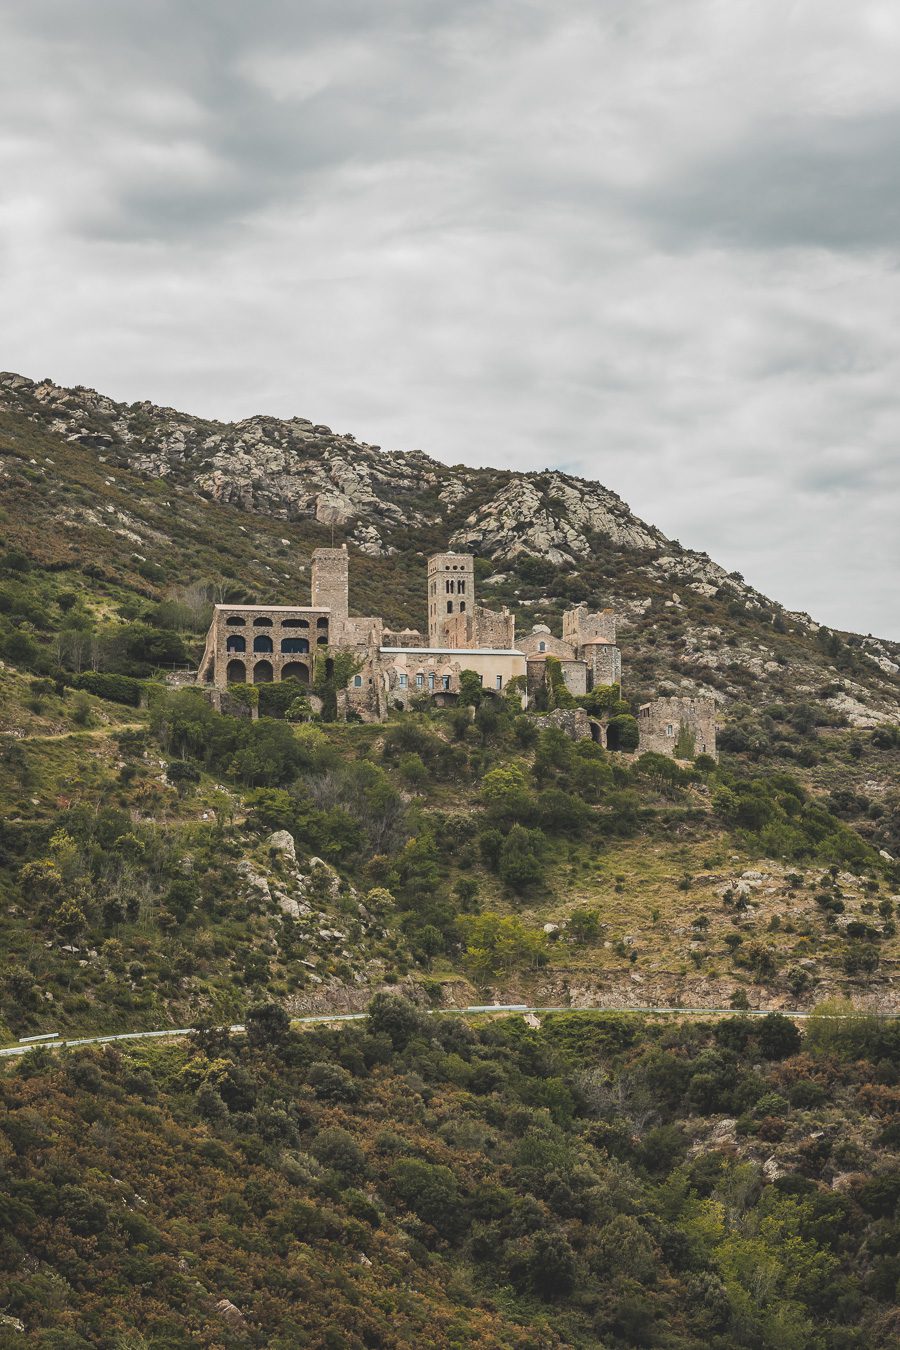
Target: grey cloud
(833, 183)
(653, 244)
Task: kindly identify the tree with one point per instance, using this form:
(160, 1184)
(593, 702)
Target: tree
(562, 813)
(543, 1264)
(431, 1191)
(40, 880)
(268, 1025)
(412, 771)
(497, 943)
(394, 1017)
(778, 1036)
(507, 795)
(519, 864)
(583, 926)
(339, 1151)
(622, 733)
(69, 918)
(471, 691)
(332, 1082)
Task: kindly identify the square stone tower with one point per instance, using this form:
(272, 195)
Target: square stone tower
(451, 591)
(330, 581)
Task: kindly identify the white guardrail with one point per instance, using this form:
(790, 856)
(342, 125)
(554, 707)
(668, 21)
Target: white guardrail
(51, 1038)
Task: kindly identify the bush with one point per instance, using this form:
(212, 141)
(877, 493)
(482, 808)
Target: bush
(267, 1025)
(778, 1036)
(430, 1191)
(394, 1017)
(332, 1083)
(622, 733)
(114, 688)
(519, 863)
(339, 1151)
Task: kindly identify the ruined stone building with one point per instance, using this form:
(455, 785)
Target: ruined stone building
(588, 653)
(682, 727)
(257, 644)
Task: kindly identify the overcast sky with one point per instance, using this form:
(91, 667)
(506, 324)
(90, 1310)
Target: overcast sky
(652, 242)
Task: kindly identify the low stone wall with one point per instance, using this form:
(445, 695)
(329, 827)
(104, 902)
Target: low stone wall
(574, 722)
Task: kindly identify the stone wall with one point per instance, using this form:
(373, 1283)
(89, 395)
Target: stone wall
(331, 580)
(575, 676)
(479, 627)
(540, 641)
(604, 663)
(665, 721)
(580, 626)
(258, 644)
(403, 637)
(574, 722)
(450, 591)
(407, 675)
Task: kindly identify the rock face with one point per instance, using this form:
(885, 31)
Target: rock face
(551, 516)
(293, 468)
(697, 628)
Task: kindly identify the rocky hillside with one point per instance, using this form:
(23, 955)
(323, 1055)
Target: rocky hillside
(549, 539)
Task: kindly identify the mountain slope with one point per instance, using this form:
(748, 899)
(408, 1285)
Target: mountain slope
(551, 539)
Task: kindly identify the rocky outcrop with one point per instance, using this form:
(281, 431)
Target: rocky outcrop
(552, 516)
(698, 628)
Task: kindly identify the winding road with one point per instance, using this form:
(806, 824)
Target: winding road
(175, 1033)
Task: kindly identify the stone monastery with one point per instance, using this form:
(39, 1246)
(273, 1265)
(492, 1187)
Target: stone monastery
(262, 643)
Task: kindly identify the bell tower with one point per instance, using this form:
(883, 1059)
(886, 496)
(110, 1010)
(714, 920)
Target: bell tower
(451, 591)
(330, 581)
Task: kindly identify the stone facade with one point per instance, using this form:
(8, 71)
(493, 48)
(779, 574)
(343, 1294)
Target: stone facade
(541, 642)
(587, 651)
(574, 722)
(682, 725)
(256, 644)
(451, 592)
(331, 581)
(479, 627)
(420, 671)
(574, 674)
(261, 643)
(581, 626)
(603, 661)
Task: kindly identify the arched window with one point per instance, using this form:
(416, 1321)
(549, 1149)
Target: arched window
(431, 681)
(262, 622)
(449, 606)
(236, 672)
(322, 623)
(542, 646)
(295, 670)
(263, 644)
(462, 606)
(445, 681)
(357, 682)
(295, 623)
(263, 672)
(295, 644)
(235, 643)
(420, 680)
(322, 641)
(235, 621)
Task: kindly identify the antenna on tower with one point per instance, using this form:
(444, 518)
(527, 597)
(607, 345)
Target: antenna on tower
(331, 516)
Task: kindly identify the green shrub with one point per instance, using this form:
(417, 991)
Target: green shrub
(115, 688)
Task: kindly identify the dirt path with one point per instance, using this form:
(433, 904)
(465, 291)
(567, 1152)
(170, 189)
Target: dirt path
(80, 731)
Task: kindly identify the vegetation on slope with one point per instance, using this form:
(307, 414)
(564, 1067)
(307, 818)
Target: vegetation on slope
(414, 1180)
